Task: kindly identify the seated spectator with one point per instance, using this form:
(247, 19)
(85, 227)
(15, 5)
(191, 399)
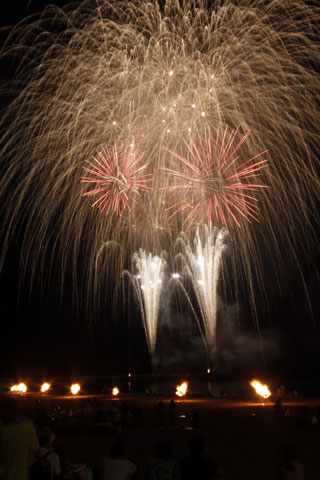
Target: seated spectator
(72, 471)
(118, 466)
(162, 467)
(290, 468)
(46, 439)
(198, 465)
(18, 440)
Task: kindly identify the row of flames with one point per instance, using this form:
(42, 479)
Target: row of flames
(181, 390)
(260, 389)
(45, 387)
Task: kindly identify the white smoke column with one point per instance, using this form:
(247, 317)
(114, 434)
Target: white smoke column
(202, 265)
(148, 283)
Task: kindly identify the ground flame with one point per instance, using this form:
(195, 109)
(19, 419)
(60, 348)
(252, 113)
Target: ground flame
(21, 388)
(261, 389)
(75, 388)
(45, 387)
(182, 389)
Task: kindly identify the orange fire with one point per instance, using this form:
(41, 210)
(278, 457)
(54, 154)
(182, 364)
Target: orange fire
(261, 389)
(115, 391)
(45, 387)
(182, 389)
(21, 388)
(75, 388)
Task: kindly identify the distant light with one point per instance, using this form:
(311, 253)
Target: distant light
(171, 73)
(138, 276)
(200, 282)
(175, 275)
(169, 131)
(174, 104)
(114, 123)
(193, 105)
(45, 387)
(189, 129)
(203, 114)
(75, 388)
(115, 391)
(159, 281)
(163, 121)
(131, 145)
(212, 76)
(208, 370)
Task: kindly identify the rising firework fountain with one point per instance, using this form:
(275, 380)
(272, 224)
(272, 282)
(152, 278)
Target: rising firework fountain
(202, 265)
(148, 286)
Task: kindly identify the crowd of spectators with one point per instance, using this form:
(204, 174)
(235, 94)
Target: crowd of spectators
(28, 450)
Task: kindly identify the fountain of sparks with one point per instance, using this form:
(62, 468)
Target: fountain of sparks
(202, 265)
(148, 286)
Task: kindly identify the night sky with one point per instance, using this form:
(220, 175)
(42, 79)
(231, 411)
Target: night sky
(41, 335)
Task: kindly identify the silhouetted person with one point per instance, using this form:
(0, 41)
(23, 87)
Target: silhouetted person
(198, 465)
(46, 439)
(118, 466)
(162, 467)
(172, 412)
(278, 406)
(18, 439)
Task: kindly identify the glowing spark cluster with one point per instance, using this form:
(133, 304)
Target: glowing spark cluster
(260, 389)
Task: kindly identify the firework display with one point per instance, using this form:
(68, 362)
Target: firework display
(165, 117)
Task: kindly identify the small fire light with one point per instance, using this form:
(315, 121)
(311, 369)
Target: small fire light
(182, 389)
(75, 388)
(21, 388)
(45, 387)
(260, 389)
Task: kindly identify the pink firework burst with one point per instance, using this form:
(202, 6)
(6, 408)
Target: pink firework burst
(118, 177)
(213, 183)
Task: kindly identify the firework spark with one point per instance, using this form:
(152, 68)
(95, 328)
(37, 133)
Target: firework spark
(215, 185)
(118, 179)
